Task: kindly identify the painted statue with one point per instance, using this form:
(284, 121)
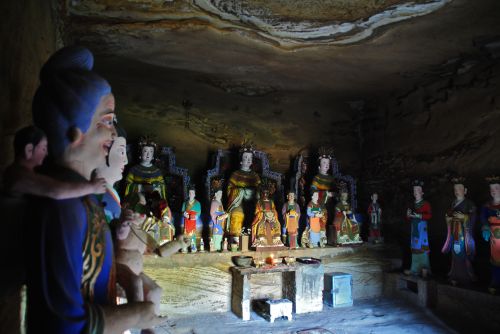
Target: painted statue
(20, 177)
(167, 228)
(75, 108)
(219, 216)
(375, 215)
(323, 183)
(112, 172)
(145, 177)
(418, 216)
(131, 244)
(158, 223)
(347, 227)
(490, 220)
(291, 216)
(266, 229)
(315, 233)
(193, 227)
(240, 193)
(460, 221)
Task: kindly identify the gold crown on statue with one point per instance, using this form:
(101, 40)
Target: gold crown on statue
(458, 180)
(247, 146)
(325, 153)
(343, 187)
(417, 183)
(147, 140)
(493, 179)
(268, 185)
(217, 184)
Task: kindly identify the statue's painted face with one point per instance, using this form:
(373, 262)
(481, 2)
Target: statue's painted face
(39, 152)
(246, 160)
(218, 195)
(147, 154)
(495, 190)
(96, 142)
(459, 190)
(117, 159)
(291, 197)
(418, 193)
(374, 197)
(324, 165)
(192, 194)
(344, 195)
(315, 197)
(265, 194)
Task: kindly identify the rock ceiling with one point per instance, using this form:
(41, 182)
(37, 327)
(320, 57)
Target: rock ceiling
(301, 66)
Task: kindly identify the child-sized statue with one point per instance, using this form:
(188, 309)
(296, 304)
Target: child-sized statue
(375, 214)
(418, 216)
(490, 219)
(266, 229)
(145, 177)
(315, 233)
(346, 225)
(193, 227)
(460, 220)
(291, 215)
(218, 223)
(131, 243)
(30, 149)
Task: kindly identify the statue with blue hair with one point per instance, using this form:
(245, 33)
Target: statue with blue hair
(71, 276)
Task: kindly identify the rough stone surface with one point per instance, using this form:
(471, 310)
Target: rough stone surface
(194, 282)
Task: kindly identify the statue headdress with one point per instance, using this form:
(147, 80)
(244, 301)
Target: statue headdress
(147, 140)
(343, 187)
(268, 185)
(417, 183)
(247, 146)
(216, 185)
(325, 153)
(458, 180)
(493, 179)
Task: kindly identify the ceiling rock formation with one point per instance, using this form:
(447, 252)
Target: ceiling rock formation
(275, 72)
(285, 23)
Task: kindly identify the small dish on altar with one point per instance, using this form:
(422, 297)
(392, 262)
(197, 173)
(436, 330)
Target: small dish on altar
(258, 262)
(242, 261)
(289, 260)
(308, 260)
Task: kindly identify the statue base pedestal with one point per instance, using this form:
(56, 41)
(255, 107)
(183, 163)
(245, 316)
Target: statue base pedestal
(271, 248)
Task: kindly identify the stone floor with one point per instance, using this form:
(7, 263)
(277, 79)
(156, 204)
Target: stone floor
(368, 316)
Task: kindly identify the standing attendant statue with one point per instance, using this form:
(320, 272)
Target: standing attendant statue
(323, 182)
(145, 177)
(315, 233)
(375, 214)
(240, 193)
(418, 216)
(193, 227)
(291, 215)
(460, 220)
(219, 216)
(490, 219)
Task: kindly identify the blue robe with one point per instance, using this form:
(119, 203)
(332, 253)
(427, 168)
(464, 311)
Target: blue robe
(63, 294)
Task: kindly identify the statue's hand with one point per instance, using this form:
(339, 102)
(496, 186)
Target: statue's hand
(98, 185)
(458, 215)
(486, 235)
(186, 214)
(148, 318)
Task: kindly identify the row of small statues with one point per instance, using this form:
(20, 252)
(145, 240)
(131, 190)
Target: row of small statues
(460, 221)
(266, 230)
